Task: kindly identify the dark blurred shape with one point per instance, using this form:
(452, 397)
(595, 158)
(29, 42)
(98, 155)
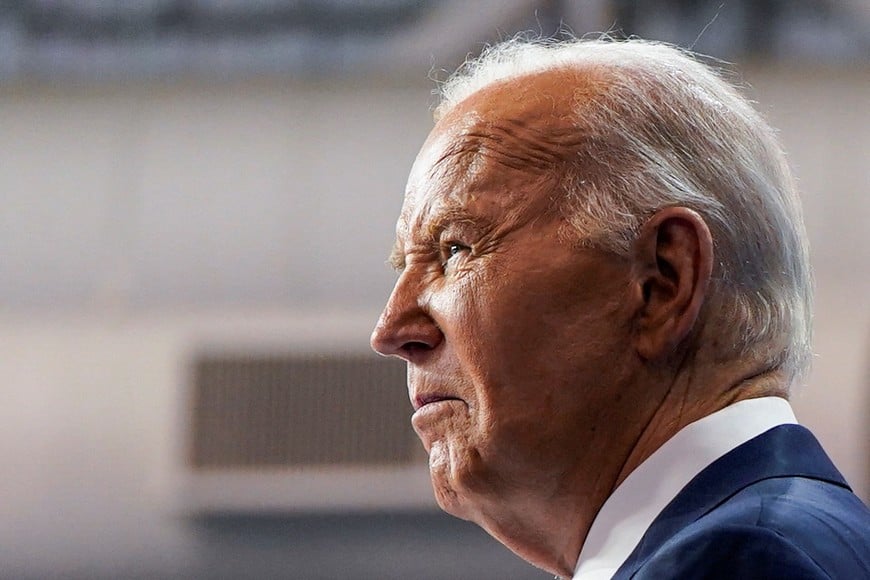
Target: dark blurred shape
(365, 546)
(759, 29)
(109, 21)
(294, 411)
(96, 40)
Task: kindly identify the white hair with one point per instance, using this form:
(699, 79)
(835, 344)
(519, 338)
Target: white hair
(666, 130)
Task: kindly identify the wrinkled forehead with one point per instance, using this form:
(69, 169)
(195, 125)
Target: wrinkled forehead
(505, 146)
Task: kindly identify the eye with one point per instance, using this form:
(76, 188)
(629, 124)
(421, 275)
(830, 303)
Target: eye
(452, 249)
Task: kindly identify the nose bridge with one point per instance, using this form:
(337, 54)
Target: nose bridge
(404, 300)
(404, 319)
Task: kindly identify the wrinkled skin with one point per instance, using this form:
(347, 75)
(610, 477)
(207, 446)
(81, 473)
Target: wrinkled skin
(532, 360)
(523, 332)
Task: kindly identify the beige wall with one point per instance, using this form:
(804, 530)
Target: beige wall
(136, 219)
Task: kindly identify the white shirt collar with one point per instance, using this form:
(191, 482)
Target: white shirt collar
(631, 509)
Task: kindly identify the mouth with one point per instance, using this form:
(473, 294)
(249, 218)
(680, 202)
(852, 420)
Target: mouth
(421, 401)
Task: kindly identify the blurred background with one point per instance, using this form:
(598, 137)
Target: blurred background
(198, 197)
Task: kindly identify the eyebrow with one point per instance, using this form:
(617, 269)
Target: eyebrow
(449, 215)
(396, 260)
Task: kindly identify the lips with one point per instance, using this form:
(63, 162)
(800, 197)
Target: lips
(423, 400)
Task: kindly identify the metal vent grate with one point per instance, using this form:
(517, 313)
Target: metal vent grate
(295, 411)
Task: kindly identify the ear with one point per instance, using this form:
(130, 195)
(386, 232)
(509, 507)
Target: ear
(672, 261)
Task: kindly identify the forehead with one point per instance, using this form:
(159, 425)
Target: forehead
(502, 148)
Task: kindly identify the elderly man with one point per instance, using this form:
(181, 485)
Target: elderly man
(604, 300)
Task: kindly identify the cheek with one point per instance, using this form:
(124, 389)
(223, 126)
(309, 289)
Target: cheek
(452, 303)
(463, 310)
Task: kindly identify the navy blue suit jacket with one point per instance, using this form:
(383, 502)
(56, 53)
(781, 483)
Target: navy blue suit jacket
(774, 507)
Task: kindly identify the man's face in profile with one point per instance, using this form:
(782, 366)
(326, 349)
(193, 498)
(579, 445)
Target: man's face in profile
(513, 335)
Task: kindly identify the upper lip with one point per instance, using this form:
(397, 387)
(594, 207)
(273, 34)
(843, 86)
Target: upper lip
(425, 399)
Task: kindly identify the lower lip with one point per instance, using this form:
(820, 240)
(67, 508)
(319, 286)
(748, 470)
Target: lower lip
(433, 409)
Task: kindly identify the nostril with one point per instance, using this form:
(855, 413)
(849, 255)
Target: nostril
(415, 346)
(406, 334)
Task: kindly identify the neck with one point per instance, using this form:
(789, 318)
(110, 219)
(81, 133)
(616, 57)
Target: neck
(696, 394)
(548, 534)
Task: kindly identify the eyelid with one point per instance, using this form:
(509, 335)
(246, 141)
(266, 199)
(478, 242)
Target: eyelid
(456, 234)
(446, 250)
(451, 244)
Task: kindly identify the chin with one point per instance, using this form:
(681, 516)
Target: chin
(450, 500)
(462, 493)
(445, 480)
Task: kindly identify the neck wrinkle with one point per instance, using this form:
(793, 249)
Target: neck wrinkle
(688, 399)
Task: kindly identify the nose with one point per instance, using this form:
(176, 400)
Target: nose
(405, 328)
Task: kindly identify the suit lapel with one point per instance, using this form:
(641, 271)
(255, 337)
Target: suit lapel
(784, 451)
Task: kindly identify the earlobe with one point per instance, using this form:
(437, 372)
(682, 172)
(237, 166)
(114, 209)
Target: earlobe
(672, 264)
